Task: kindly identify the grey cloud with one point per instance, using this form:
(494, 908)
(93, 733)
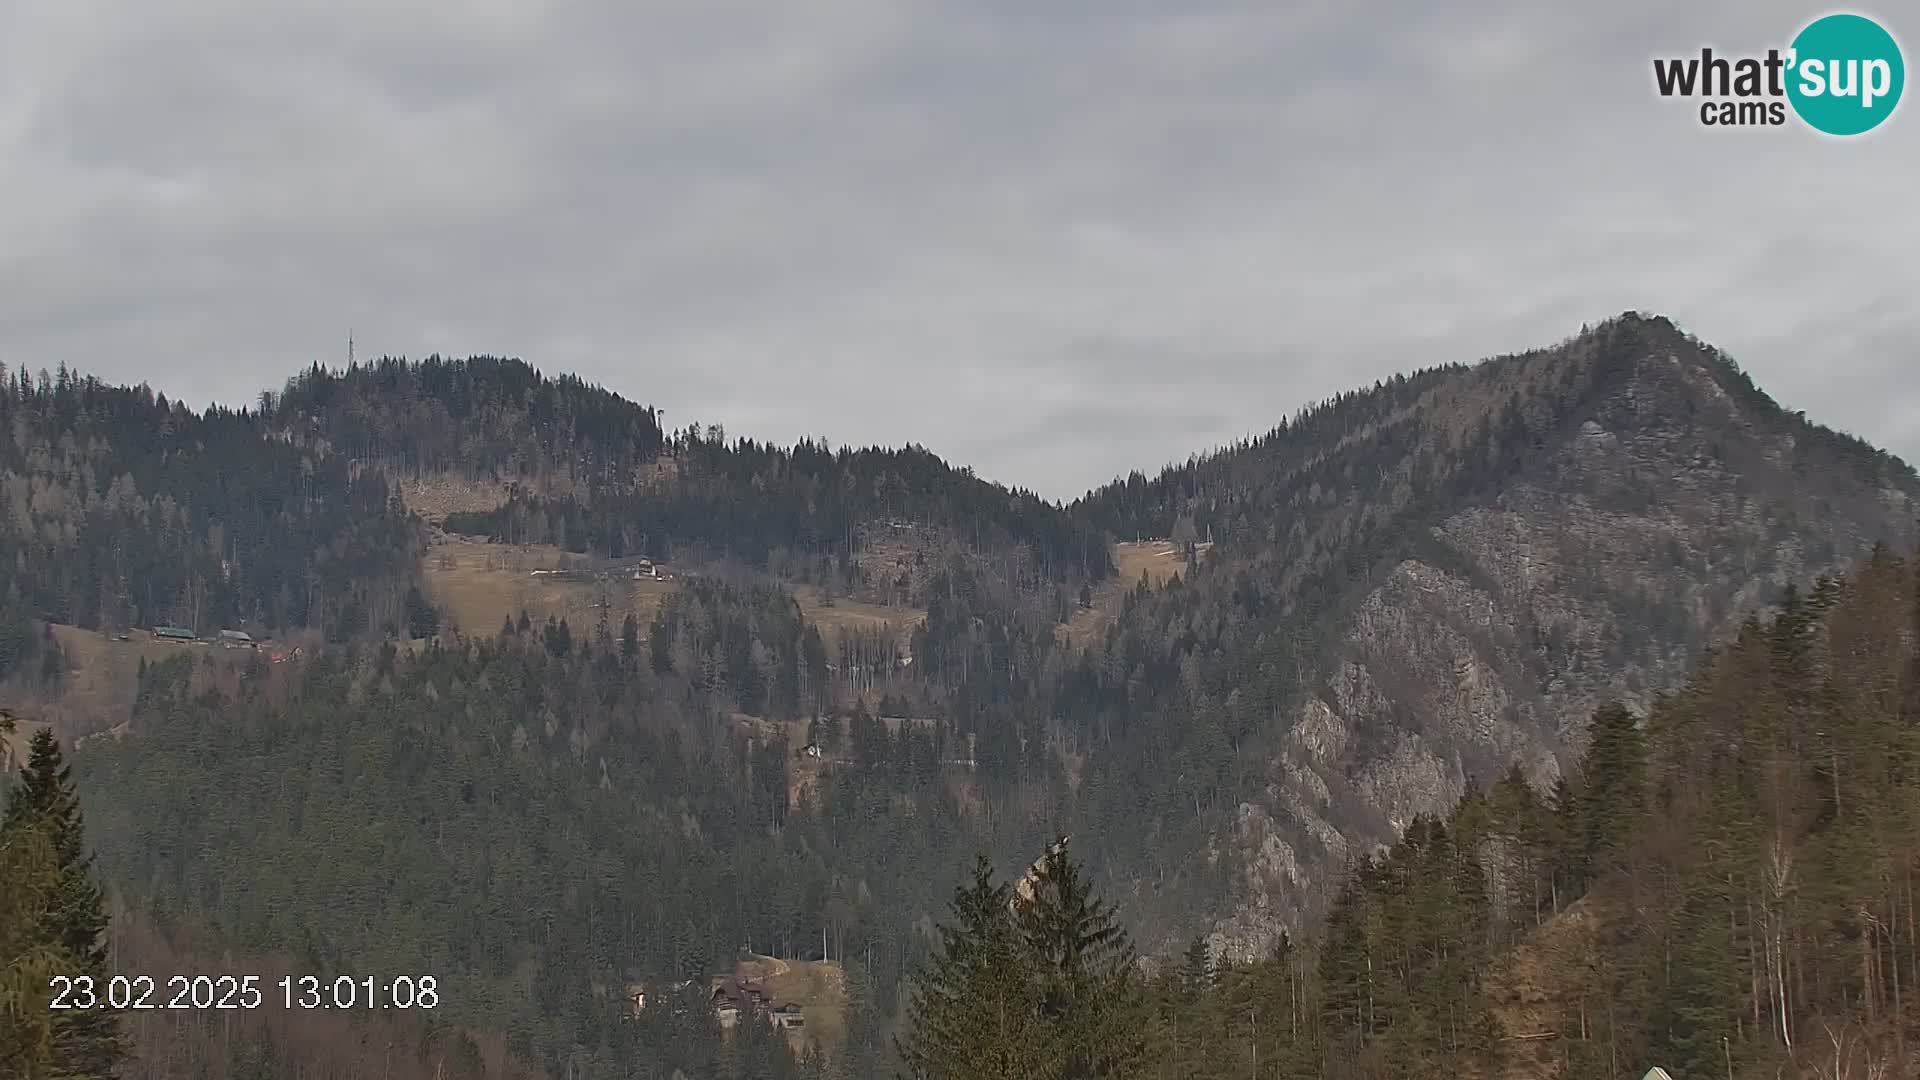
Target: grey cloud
(1056, 241)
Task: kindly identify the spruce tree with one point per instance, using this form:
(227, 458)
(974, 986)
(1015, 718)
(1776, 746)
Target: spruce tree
(1089, 990)
(1196, 968)
(1565, 843)
(29, 880)
(1524, 858)
(975, 1014)
(29, 883)
(1345, 969)
(423, 621)
(1197, 1024)
(71, 919)
(1614, 776)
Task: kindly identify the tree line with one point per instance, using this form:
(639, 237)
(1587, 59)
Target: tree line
(1722, 886)
(483, 417)
(533, 822)
(124, 509)
(816, 513)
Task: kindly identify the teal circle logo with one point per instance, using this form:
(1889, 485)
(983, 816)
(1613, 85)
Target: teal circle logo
(1845, 74)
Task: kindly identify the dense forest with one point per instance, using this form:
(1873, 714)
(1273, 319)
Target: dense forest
(594, 473)
(526, 816)
(125, 509)
(1197, 690)
(1491, 413)
(1723, 887)
(809, 513)
(482, 417)
(1724, 879)
(540, 814)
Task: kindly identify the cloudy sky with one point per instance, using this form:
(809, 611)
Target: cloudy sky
(1055, 239)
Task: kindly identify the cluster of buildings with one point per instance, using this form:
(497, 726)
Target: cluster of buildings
(732, 998)
(226, 639)
(232, 639)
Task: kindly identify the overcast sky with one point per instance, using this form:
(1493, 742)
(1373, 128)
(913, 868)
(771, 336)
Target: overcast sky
(1055, 240)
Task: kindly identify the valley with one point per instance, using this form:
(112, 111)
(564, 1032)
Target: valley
(850, 671)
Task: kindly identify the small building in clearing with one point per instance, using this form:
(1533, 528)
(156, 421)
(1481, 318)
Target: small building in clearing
(733, 997)
(175, 633)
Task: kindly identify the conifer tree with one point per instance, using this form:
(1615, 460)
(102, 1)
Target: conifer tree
(864, 1050)
(29, 883)
(29, 880)
(1610, 798)
(1194, 1005)
(1346, 968)
(1090, 992)
(1196, 968)
(976, 1014)
(1565, 843)
(70, 919)
(1522, 856)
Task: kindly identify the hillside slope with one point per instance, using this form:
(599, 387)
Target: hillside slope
(124, 509)
(1421, 584)
(493, 447)
(1722, 886)
(1329, 632)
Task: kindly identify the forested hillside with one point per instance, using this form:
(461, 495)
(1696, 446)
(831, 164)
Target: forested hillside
(125, 509)
(810, 513)
(480, 417)
(531, 818)
(1722, 887)
(1381, 609)
(580, 467)
(1417, 585)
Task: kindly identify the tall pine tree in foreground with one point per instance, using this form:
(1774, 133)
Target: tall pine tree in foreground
(1092, 996)
(57, 914)
(1039, 983)
(28, 882)
(975, 1014)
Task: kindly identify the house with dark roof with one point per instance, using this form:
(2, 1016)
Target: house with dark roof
(729, 1002)
(733, 998)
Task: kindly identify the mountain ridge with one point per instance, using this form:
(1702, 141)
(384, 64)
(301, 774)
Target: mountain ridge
(1391, 595)
(1519, 595)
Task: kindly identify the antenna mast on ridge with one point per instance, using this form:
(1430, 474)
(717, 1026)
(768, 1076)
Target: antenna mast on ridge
(349, 348)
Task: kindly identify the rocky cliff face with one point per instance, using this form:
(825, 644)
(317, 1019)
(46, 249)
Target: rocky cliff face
(1667, 505)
